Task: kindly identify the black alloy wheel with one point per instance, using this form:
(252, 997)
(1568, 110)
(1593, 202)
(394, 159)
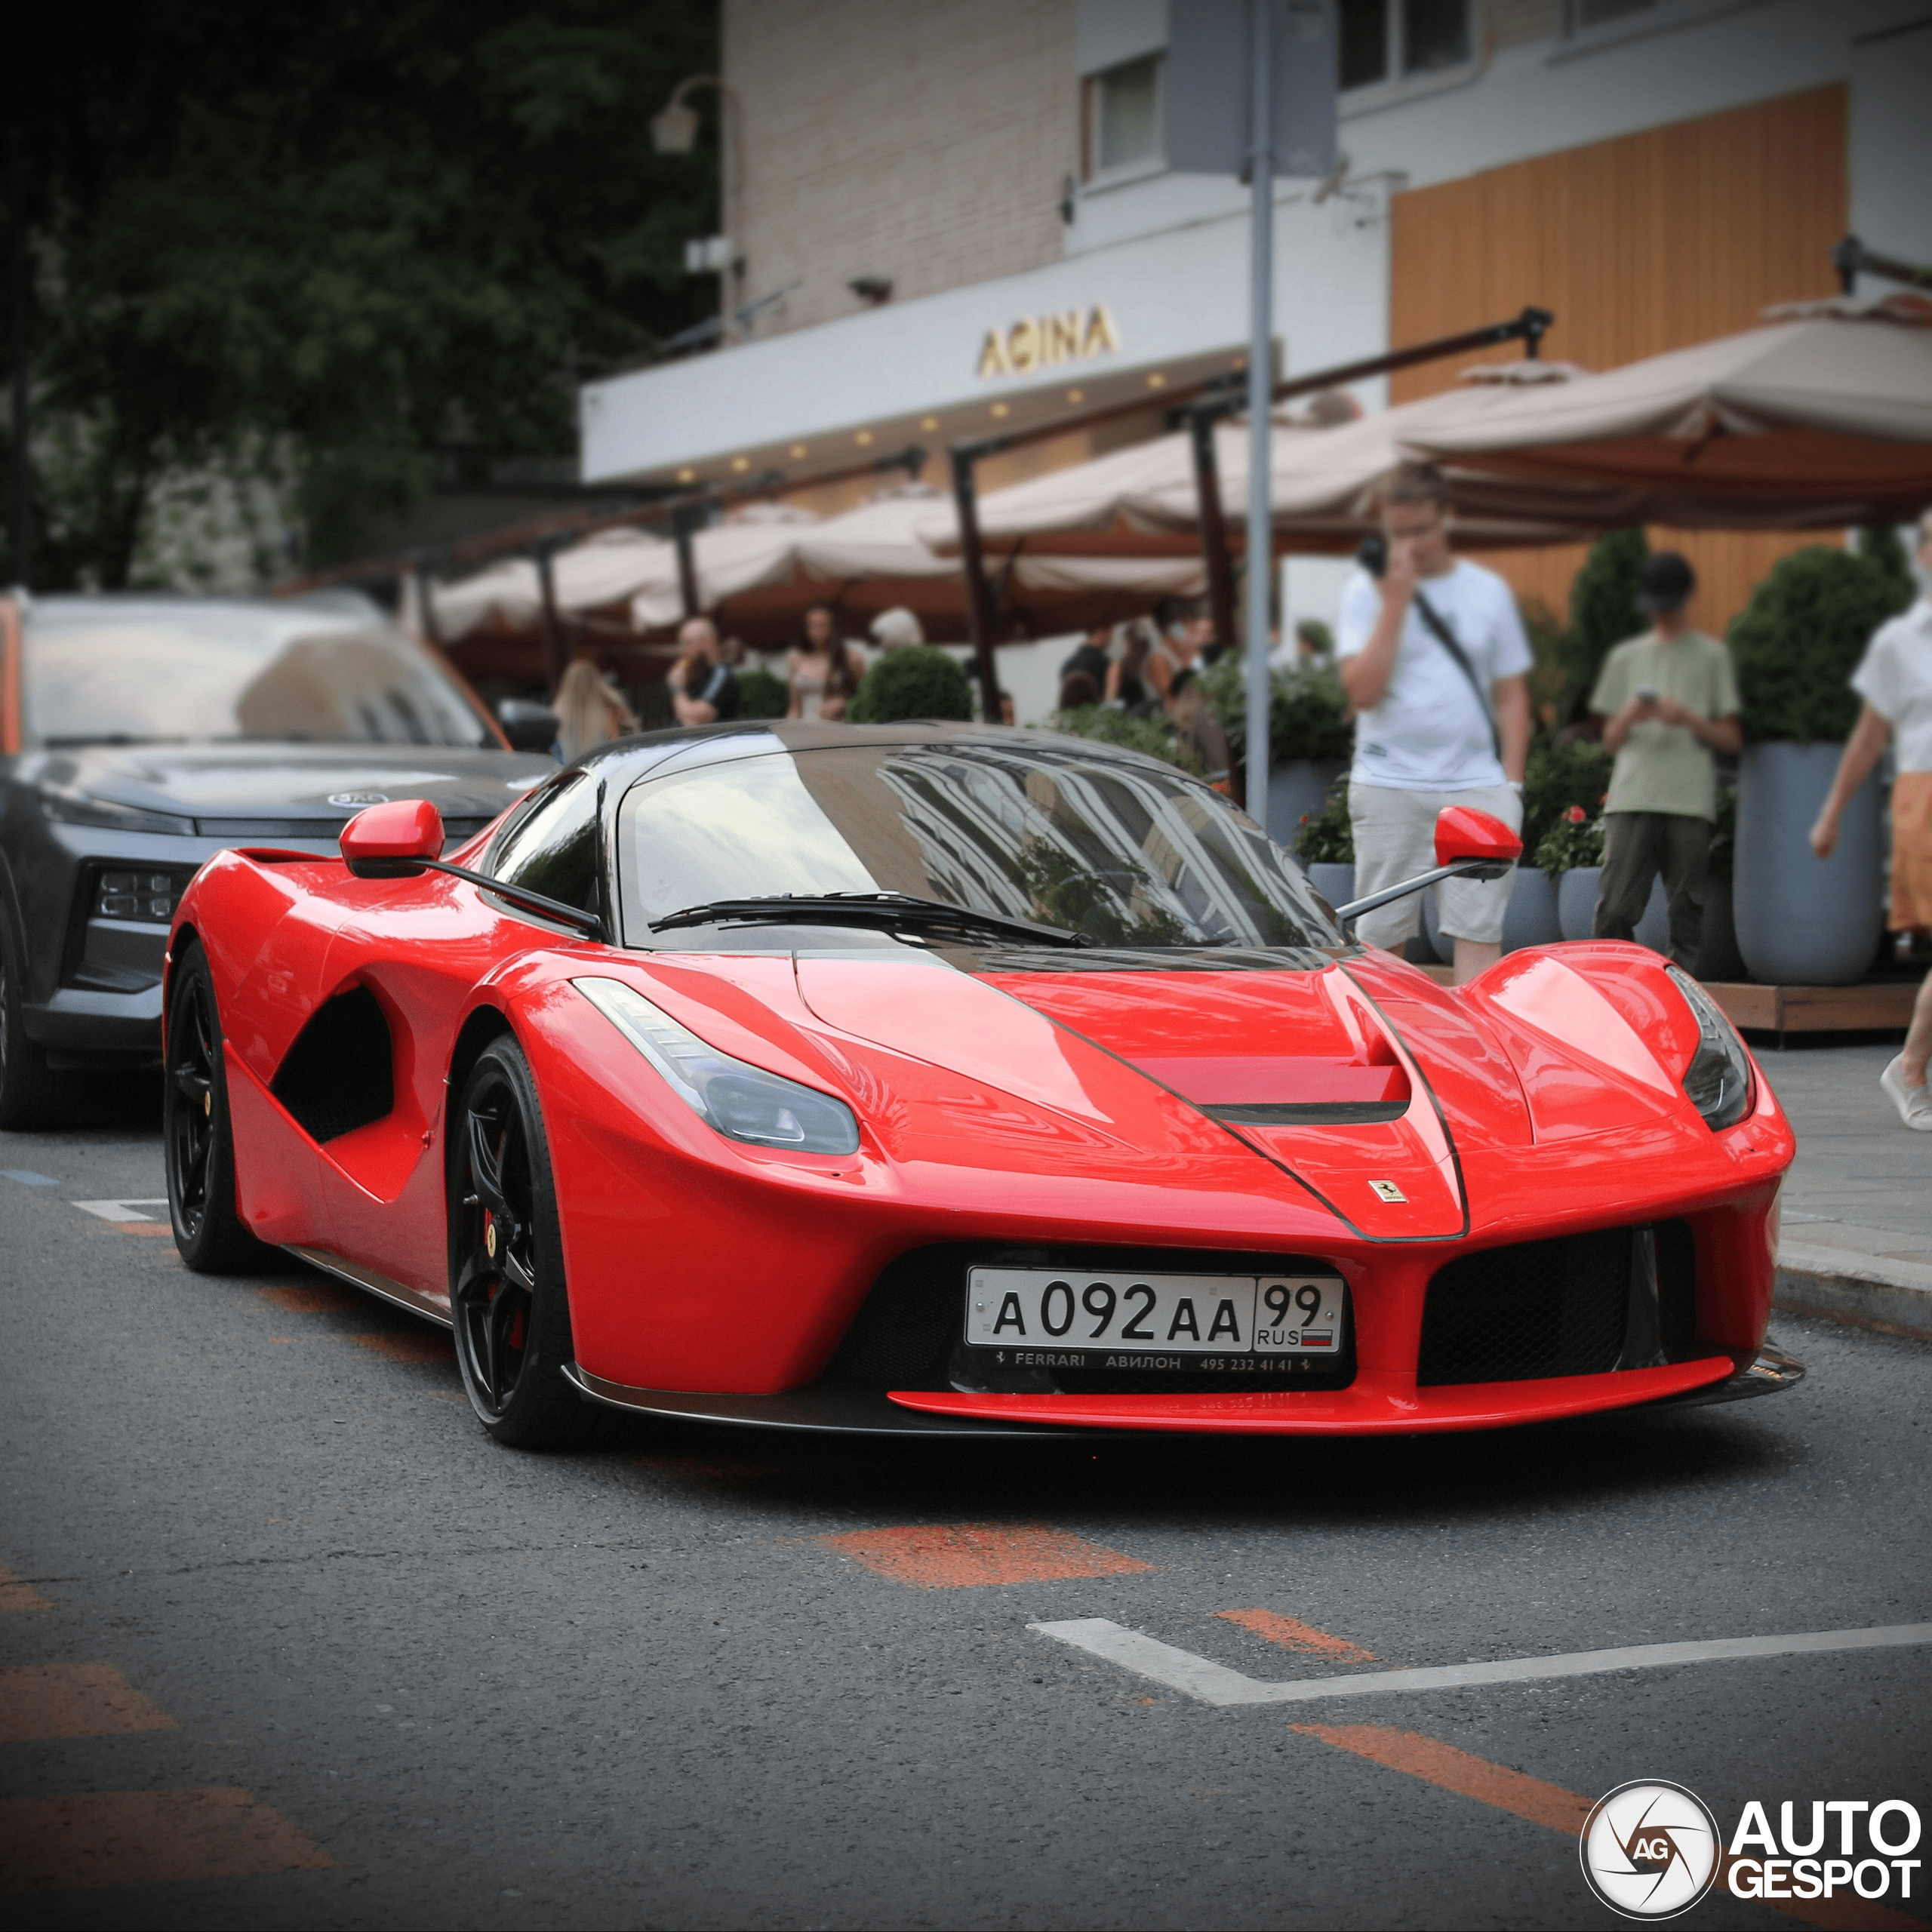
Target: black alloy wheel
(198, 1140)
(510, 1311)
(31, 1094)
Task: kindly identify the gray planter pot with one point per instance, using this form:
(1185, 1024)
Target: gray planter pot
(1577, 908)
(1717, 955)
(1531, 919)
(1298, 786)
(1336, 884)
(1803, 921)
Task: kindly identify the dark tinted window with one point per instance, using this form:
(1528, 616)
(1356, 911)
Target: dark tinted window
(1435, 34)
(552, 848)
(1130, 854)
(1364, 25)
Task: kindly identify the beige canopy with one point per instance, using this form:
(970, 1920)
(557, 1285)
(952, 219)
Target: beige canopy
(603, 572)
(873, 558)
(1819, 418)
(1143, 500)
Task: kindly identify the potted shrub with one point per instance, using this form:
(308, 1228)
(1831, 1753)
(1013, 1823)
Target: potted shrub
(1325, 845)
(917, 681)
(1802, 921)
(760, 694)
(1154, 735)
(1309, 736)
(1558, 778)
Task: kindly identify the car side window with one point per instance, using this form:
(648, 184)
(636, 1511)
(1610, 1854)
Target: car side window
(553, 848)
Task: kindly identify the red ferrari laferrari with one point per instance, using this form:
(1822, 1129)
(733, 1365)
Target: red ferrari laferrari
(930, 1079)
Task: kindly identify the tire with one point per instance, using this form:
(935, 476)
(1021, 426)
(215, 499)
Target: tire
(31, 1094)
(507, 1266)
(197, 1136)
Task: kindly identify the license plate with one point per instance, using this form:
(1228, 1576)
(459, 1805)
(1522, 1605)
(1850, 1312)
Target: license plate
(1126, 1314)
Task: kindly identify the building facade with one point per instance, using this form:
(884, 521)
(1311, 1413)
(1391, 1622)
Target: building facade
(950, 217)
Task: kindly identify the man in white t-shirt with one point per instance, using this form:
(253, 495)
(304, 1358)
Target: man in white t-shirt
(1431, 731)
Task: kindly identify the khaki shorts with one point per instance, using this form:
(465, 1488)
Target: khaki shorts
(1395, 834)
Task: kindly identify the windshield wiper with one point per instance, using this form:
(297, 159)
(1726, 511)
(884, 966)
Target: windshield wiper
(867, 908)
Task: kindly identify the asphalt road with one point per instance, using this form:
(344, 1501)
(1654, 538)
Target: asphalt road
(283, 1612)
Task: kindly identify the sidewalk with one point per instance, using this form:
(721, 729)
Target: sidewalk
(1856, 1243)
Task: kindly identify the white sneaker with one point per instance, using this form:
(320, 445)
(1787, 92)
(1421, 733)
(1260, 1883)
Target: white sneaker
(1914, 1104)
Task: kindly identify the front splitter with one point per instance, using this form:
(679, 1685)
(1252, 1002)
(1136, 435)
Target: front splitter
(825, 1410)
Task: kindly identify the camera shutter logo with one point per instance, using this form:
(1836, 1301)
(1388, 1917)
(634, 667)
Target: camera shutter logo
(1651, 1850)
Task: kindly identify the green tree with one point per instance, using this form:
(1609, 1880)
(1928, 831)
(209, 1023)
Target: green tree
(361, 246)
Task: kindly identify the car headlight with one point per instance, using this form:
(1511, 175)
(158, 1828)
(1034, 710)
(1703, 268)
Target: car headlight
(67, 807)
(145, 895)
(741, 1101)
(1718, 1078)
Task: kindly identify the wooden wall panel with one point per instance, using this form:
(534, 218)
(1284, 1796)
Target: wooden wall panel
(1639, 245)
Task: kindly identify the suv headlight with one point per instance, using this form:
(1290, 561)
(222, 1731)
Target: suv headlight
(139, 893)
(742, 1102)
(1718, 1078)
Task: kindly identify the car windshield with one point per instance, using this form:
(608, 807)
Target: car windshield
(94, 675)
(1120, 849)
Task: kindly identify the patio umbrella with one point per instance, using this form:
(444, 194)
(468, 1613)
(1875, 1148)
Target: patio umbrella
(757, 550)
(1822, 416)
(874, 557)
(603, 572)
(1144, 501)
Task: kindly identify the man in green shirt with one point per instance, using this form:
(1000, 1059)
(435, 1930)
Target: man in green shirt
(1668, 700)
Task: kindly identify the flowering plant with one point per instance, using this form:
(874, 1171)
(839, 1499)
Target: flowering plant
(1575, 841)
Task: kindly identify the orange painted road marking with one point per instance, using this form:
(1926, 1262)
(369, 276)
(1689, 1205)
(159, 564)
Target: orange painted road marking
(952, 1556)
(314, 1298)
(1292, 1635)
(431, 1348)
(1439, 1764)
(161, 1229)
(16, 1593)
(43, 1700)
(139, 1838)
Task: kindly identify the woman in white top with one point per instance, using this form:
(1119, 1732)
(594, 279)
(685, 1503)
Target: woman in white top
(1894, 678)
(824, 671)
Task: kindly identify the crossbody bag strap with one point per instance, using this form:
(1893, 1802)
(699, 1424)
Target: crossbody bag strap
(1445, 637)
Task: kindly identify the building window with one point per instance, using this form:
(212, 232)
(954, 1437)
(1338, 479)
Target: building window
(1122, 117)
(1394, 40)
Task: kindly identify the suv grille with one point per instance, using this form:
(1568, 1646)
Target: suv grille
(1549, 1307)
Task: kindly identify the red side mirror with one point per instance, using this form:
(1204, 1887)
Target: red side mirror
(1463, 834)
(391, 840)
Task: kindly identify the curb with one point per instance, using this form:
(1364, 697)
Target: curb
(1821, 1283)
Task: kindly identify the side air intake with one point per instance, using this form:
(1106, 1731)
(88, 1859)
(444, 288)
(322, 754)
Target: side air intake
(339, 1075)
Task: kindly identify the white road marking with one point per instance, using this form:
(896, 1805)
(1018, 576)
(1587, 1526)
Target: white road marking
(27, 1177)
(1215, 1684)
(122, 1210)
